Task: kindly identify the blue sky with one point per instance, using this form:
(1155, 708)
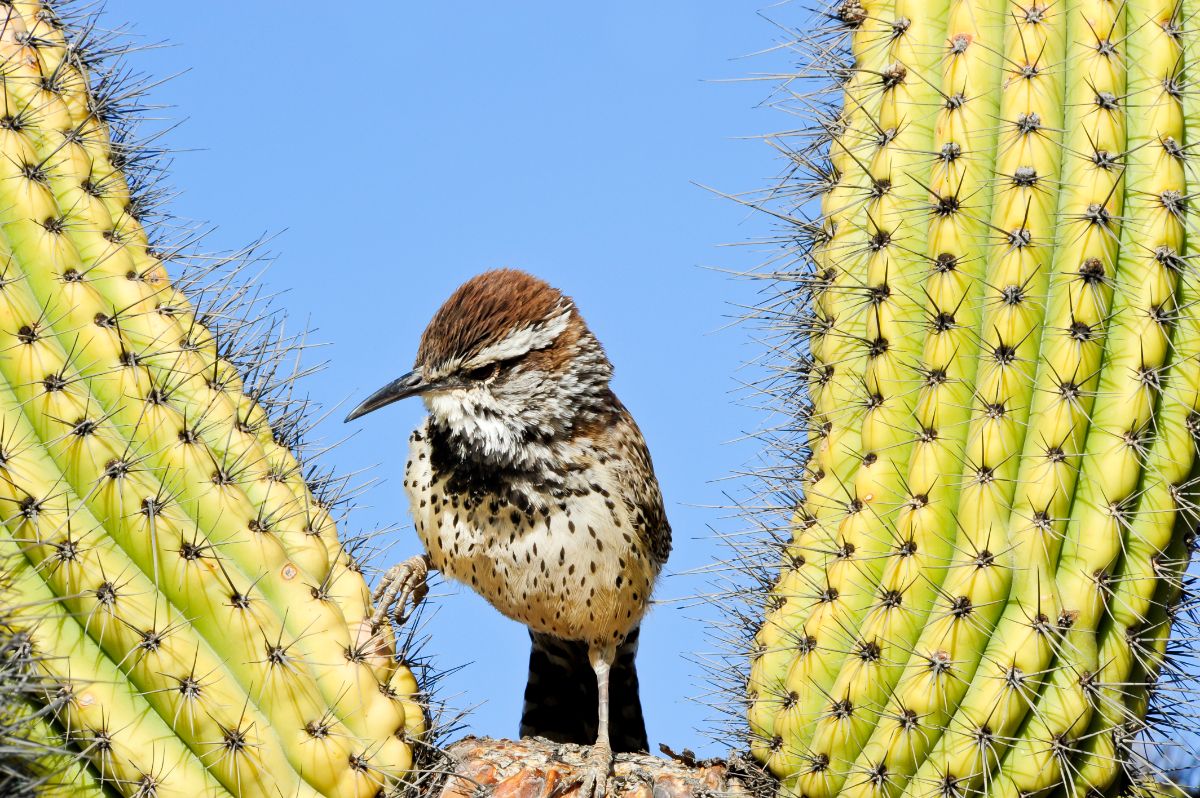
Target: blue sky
(400, 148)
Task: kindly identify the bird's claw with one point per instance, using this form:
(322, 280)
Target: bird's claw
(403, 583)
(593, 783)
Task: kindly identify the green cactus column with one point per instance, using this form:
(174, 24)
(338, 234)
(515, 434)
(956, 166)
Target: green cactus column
(988, 611)
(184, 590)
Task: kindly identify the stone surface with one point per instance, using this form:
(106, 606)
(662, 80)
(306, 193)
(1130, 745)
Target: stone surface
(536, 768)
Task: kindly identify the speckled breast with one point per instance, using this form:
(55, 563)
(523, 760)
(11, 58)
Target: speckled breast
(570, 568)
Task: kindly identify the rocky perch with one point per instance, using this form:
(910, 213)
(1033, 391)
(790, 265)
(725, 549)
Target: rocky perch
(537, 768)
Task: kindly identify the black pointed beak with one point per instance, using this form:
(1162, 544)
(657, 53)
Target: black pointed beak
(411, 384)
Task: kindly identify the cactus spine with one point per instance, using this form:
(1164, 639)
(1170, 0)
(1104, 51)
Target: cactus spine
(181, 587)
(1002, 357)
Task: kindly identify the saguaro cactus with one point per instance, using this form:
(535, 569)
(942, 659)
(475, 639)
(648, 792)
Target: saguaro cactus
(178, 588)
(1000, 344)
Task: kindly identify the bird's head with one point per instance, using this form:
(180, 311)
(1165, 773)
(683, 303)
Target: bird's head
(507, 362)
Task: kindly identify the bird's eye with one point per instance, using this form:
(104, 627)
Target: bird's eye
(483, 372)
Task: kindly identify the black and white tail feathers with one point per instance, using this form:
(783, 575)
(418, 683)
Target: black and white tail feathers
(561, 699)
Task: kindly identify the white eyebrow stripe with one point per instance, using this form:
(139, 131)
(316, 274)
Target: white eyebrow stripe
(525, 339)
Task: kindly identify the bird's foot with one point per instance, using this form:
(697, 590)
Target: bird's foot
(403, 583)
(594, 781)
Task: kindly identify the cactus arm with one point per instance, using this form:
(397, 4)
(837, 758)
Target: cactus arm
(1038, 589)
(145, 486)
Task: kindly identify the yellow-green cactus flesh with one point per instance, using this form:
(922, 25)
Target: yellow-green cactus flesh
(181, 585)
(1003, 371)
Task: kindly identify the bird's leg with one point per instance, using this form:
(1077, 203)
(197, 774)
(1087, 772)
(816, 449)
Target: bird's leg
(599, 764)
(402, 582)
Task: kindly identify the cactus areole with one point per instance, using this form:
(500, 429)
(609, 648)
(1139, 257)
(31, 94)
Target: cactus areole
(1001, 352)
(170, 577)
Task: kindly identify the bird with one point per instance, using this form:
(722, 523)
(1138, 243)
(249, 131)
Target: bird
(530, 481)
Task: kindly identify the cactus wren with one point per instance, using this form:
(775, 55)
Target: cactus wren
(530, 481)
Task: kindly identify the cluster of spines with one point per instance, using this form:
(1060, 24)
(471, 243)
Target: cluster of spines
(33, 759)
(990, 611)
(167, 549)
